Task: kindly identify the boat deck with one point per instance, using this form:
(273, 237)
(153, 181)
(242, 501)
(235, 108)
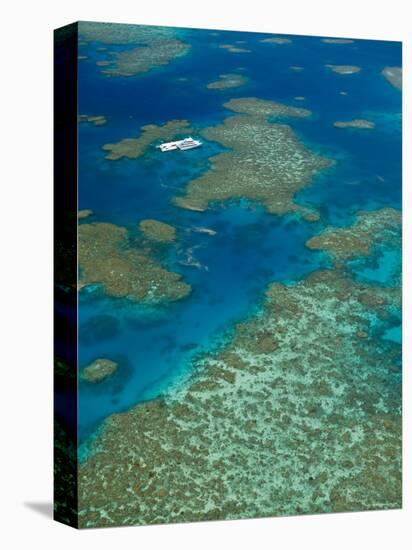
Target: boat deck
(182, 144)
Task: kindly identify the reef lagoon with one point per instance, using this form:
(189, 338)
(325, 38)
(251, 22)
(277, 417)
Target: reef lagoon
(239, 334)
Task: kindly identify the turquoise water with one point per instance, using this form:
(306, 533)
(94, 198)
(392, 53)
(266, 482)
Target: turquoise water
(230, 270)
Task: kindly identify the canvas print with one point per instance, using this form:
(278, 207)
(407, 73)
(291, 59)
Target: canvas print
(228, 274)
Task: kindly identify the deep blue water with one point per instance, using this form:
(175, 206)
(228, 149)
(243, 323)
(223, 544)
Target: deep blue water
(251, 248)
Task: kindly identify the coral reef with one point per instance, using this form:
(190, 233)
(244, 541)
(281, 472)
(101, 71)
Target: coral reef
(360, 123)
(289, 400)
(231, 80)
(254, 106)
(295, 414)
(358, 239)
(276, 40)
(143, 59)
(157, 46)
(337, 40)
(264, 108)
(344, 69)
(158, 231)
(85, 213)
(311, 216)
(116, 33)
(265, 163)
(99, 370)
(134, 148)
(394, 76)
(107, 256)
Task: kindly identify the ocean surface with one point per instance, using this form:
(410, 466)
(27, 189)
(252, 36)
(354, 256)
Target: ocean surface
(230, 271)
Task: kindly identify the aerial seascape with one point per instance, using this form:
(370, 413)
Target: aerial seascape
(239, 303)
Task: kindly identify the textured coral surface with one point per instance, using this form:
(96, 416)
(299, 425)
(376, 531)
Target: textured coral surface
(298, 413)
(265, 162)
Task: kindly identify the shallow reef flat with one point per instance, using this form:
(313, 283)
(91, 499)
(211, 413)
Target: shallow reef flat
(99, 370)
(156, 46)
(359, 123)
(117, 33)
(158, 231)
(337, 40)
(344, 69)
(298, 413)
(125, 269)
(276, 40)
(266, 162)
(134, 148)
(359, 239)
(394, 76)
(265, 108)
(144, 58)
(84, 213)
(226, 81)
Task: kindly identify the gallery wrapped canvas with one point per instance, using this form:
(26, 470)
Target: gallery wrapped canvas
(227, 274)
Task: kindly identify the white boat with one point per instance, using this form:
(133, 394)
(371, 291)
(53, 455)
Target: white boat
(182, 144)
(188, 143)
(168, 146)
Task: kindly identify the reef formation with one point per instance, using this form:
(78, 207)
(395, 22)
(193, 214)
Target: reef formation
(133, 148)
(359, 239)
(158, 231)
(99, 370)
(344, 69)
(276, 40)
(265, 162)
(84, 213)
(359, 123)
(157, 46)
(226, 81)
(394, 76)
(298, 412)
(337, 40)
(109, 257)
(297, 409)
